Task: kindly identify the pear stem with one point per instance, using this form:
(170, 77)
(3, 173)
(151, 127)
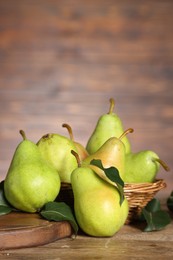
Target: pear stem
(165, 167)
(23, 134)
(112, 105)
(69, 130)
(129, 130)
(77, 157)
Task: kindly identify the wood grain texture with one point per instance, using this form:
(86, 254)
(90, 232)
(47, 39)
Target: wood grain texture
(61, 61)
(21, 230)
(129, 243)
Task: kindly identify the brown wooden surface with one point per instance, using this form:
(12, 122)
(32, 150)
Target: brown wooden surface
(129, 243)
(61, 61)
(21, 230)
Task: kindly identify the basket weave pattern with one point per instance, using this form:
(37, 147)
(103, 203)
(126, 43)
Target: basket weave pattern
(138, 196)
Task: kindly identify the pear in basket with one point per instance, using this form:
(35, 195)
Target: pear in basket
(108, 125)
(142, 167)
(111, 153)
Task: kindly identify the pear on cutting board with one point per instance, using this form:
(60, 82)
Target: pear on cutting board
(31, 181)
(108, 125)
(97, 203)
(142, 167)
(56, 150)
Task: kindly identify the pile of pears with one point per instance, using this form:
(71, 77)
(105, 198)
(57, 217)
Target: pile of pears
(38, 170)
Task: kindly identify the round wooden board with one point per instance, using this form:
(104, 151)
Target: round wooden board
(18, 230)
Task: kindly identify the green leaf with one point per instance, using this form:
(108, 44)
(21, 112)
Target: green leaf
(170, 202)
(153, 205)
(112, 174)
(3, 201)
(4, 210)
(5, 207)
(156, 218)
(59, 211)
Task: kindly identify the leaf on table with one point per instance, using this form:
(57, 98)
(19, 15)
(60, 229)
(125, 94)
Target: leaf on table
(153, 205)
(112, 174)
(59, 211)
(170, 202)
(4, 210)
(5, 207)
(155, 218)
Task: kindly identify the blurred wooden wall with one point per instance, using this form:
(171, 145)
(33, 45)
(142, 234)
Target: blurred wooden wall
(61, 61)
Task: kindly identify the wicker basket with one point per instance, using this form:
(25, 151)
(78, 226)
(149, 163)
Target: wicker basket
(137, 194)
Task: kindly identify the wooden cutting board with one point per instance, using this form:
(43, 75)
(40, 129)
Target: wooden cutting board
(18, 230)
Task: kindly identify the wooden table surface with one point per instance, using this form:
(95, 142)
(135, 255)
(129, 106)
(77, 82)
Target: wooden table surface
(60, 62)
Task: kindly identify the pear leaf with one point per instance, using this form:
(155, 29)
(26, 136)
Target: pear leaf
(112, 174)
(5, 208)
(156, 218)
(153, 205)
(170, 202)
(59, 211)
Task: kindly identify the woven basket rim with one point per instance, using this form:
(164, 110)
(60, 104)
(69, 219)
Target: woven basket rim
(157, 185)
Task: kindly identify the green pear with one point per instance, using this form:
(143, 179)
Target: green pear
(108, 125)
(111, 153)
(97, 204)
(82, 152)
(142, 167)
(56, 149)
(30, 181)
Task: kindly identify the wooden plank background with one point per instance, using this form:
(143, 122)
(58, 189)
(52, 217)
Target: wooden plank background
(61, 61)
